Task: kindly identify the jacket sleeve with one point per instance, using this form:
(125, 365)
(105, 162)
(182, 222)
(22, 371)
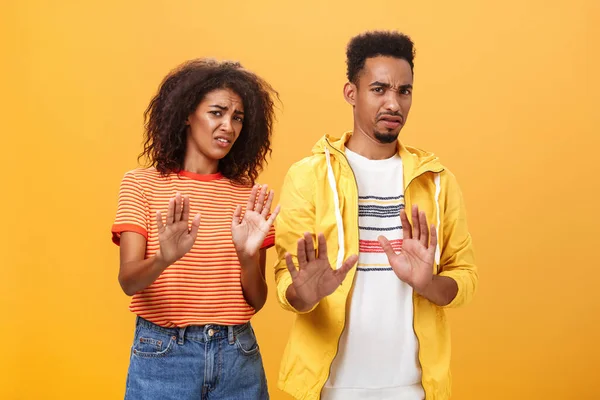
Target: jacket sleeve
(296, 216)
(457, 259)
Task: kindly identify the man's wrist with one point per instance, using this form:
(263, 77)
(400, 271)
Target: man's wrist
(424, 290)
(295, 301)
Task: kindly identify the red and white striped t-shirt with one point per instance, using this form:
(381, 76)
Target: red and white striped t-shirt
(203, 286)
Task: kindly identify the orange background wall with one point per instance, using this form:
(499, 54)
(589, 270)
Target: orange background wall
(506, 93)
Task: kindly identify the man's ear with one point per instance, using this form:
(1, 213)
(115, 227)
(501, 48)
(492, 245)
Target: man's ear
(350, 90)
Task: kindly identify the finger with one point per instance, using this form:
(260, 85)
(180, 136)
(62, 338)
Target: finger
(178, 207)
(252, 199)
(268, 205)
(322, 247)
(171, 211)
(260, 203)
(290, 265)
(416, 227)
(195, 226)
(274, 215)
(346, 267)
(159, 221)
(237, 214)
(406, 228)
(186, 209)
(424, 231)
(387, 246)
(434, 238)
(301, 253)
(310, 247)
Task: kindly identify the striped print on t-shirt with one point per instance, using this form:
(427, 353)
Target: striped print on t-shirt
(203, 287)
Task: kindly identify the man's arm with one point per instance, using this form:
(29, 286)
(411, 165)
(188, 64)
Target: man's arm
(297, 216)
(441, 291)
(456, 282)
(457, 259)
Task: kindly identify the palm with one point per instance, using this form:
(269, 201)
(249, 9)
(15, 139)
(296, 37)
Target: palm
(249, 232)
(174, 236)
(314, 279)
(175, 240)
(414, 263)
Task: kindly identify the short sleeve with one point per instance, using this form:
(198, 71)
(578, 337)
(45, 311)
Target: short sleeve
(132, 209)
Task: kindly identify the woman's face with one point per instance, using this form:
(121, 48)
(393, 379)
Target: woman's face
(215, 125)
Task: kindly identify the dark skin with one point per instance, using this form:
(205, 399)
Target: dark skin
(381, 100)
(214, 127)
(314, 278)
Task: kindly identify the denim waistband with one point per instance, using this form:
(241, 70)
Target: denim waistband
(197, 332)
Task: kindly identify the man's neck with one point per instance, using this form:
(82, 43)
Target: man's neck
(369, 147)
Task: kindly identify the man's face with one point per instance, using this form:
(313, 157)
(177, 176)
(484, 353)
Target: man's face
(382, 97)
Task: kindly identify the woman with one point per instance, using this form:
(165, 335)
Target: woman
(196, 284)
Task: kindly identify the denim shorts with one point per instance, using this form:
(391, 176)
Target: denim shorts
(197, 362)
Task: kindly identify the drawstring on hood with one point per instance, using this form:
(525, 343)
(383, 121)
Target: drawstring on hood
(437, 213)
(338, 213)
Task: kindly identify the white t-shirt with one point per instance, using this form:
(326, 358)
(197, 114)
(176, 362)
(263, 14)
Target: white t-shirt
(378, 350)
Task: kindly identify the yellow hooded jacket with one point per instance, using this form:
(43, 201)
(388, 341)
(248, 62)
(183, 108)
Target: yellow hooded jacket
(320, 194)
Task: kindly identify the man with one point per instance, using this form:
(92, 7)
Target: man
(377, 331)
